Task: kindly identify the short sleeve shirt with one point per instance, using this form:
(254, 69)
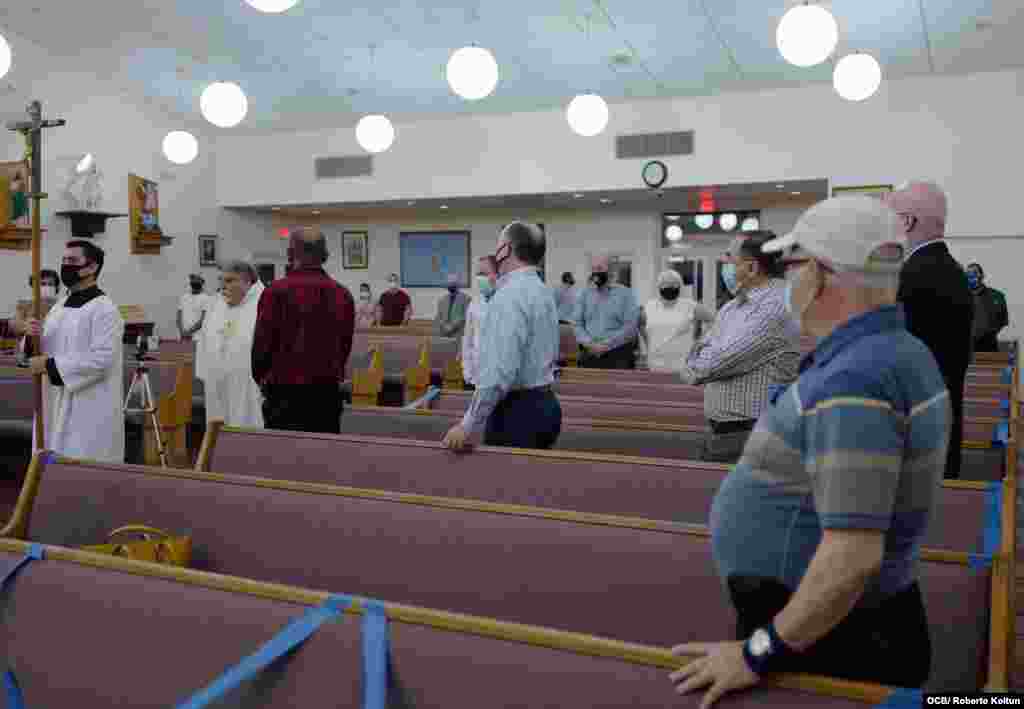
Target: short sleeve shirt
(393, 304)
(858, 441)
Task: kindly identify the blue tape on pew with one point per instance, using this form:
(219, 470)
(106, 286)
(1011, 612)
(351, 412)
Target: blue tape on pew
(432, 393)
(903, 699)
(1007, 375)
(376, 655)
(15, 700)
(290, 637)
(1001, 434)
(992, 531)
(1004, 406)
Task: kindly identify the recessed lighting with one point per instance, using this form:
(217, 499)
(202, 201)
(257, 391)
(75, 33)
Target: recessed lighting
(444, 206)
(276, 209)
(316, 211)
(578, 195)
(605, 200)
(794, 193)
(780, 187)
(412, 202)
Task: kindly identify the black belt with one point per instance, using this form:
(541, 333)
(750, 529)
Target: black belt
(723, 427)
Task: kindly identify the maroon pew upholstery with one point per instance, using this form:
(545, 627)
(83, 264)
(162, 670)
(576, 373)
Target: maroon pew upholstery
(203, 631)
(660, 489)
(651, 586)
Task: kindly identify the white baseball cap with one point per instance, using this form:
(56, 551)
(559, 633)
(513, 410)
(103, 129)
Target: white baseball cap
(851, 233)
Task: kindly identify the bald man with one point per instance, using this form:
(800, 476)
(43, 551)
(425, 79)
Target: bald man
(302, 341)
(450, 320)
(607, 320)
(936, 299)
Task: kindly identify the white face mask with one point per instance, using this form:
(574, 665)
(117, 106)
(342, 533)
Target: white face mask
(49, 292)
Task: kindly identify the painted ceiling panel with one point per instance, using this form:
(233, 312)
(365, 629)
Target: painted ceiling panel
(339, 60)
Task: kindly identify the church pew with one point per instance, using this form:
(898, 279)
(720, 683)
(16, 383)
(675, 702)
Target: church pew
(565, 570)
(651, 488)
(208, 622)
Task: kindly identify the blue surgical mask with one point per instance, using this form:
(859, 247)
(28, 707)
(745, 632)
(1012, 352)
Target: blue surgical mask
(788, 298)
(729, 276)
(486, 287)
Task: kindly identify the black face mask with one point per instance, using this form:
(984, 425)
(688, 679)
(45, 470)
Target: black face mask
(669, 293)
(452, 289)
(71, 276)
(196, 287)
(600, 279)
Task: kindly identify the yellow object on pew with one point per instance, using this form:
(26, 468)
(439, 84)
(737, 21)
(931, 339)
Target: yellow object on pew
(156, 546)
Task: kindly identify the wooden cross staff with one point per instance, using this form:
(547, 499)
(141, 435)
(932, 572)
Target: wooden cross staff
(32, 130)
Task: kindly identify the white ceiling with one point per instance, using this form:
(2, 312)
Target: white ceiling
(313, 66)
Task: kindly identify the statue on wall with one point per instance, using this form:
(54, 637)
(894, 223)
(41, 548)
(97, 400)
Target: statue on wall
(83, 188)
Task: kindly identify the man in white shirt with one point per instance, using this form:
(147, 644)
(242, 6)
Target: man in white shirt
(232, 396)
(82, 364)
(193, 308)
(486, 279)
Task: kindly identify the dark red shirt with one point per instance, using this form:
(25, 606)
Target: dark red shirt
(304, 326)
(393, 304)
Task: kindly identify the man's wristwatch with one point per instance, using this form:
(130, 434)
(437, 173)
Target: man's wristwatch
(764, 649)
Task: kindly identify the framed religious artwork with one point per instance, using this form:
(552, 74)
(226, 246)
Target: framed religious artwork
(15, 207)
(144, 216)
(355, 250)
(208, 250)
(427, 258)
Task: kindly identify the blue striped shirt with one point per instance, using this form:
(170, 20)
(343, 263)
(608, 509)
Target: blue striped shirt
(857, 442)
(518, 343)
(609, 316)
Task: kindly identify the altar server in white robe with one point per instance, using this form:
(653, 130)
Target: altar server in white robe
(226, 344)
(82, 363)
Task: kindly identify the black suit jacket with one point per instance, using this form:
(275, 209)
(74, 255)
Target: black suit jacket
(939, 309)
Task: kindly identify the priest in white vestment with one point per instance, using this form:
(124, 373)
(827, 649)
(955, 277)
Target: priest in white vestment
(82, 364)
(232, 396)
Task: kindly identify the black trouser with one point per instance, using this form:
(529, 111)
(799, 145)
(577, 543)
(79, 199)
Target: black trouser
(622, 357)
(888, 643)
(315, 408)
(525, 419)
(956, 433)
(725, 441)
(987, 343)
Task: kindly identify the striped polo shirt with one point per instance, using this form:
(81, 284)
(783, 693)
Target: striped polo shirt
(858, 441)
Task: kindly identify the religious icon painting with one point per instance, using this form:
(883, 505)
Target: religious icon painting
(208, 250)
(14, 209)
(355, 249)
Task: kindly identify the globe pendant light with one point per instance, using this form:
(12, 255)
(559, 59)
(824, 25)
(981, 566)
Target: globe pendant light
(5, 56)
(587, 114)
(704, 221)
(272, 5)
(375, 133)
(750, 224)
(728, 221)
(472, 73)
(807, 35)
(673, 232)
(223, 104)
(180, 147)
(857, 77)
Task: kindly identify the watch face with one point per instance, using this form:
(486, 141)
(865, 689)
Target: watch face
(760, 643)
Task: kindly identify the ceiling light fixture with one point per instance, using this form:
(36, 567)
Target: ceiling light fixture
(605, 200)
(857, 76)
(472, 73)
(704, 221)
(673, 232)
(728, 221)
(375, 133)
(272, 6)
(807, 35)
(587, 115)
(316, 211)
(5, 56)
(795, 193)
(750, 224)
(578, 195)
(180, 147)
(444, 206)
(223, 104)
(276, 209)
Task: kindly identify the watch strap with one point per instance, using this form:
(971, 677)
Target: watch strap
(769, 662)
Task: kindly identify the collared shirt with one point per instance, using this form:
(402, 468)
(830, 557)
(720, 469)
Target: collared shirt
(610, 316)
(921, 246)
(304, 327)
(518, 344)
(753, 345)
(471, 340)
(857, 442)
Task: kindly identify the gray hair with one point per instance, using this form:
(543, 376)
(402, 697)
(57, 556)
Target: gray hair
(526, 241)
(242, 268)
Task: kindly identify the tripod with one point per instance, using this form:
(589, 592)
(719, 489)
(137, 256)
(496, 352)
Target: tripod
(147, 405)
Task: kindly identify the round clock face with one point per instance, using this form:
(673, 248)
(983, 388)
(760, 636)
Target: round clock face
(655, 173)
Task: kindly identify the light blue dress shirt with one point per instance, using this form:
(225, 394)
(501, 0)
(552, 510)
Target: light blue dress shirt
(518, 343)
(566, 297)
(610, 316)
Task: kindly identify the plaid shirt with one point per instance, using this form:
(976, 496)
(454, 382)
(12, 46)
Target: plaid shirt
(304, 328)
(753, 345)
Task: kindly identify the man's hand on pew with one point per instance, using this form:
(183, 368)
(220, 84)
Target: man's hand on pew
(37, 365)
(456, 439)
(719, 666)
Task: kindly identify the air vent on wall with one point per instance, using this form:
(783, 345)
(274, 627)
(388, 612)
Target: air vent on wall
(333, 168)
(653, 145)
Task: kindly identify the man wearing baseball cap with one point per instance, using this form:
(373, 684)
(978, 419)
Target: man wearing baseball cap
(816, 530)
(935, 295)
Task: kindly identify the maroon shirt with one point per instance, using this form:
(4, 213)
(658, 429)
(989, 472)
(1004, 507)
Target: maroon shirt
(304, 326)
(393, 304)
